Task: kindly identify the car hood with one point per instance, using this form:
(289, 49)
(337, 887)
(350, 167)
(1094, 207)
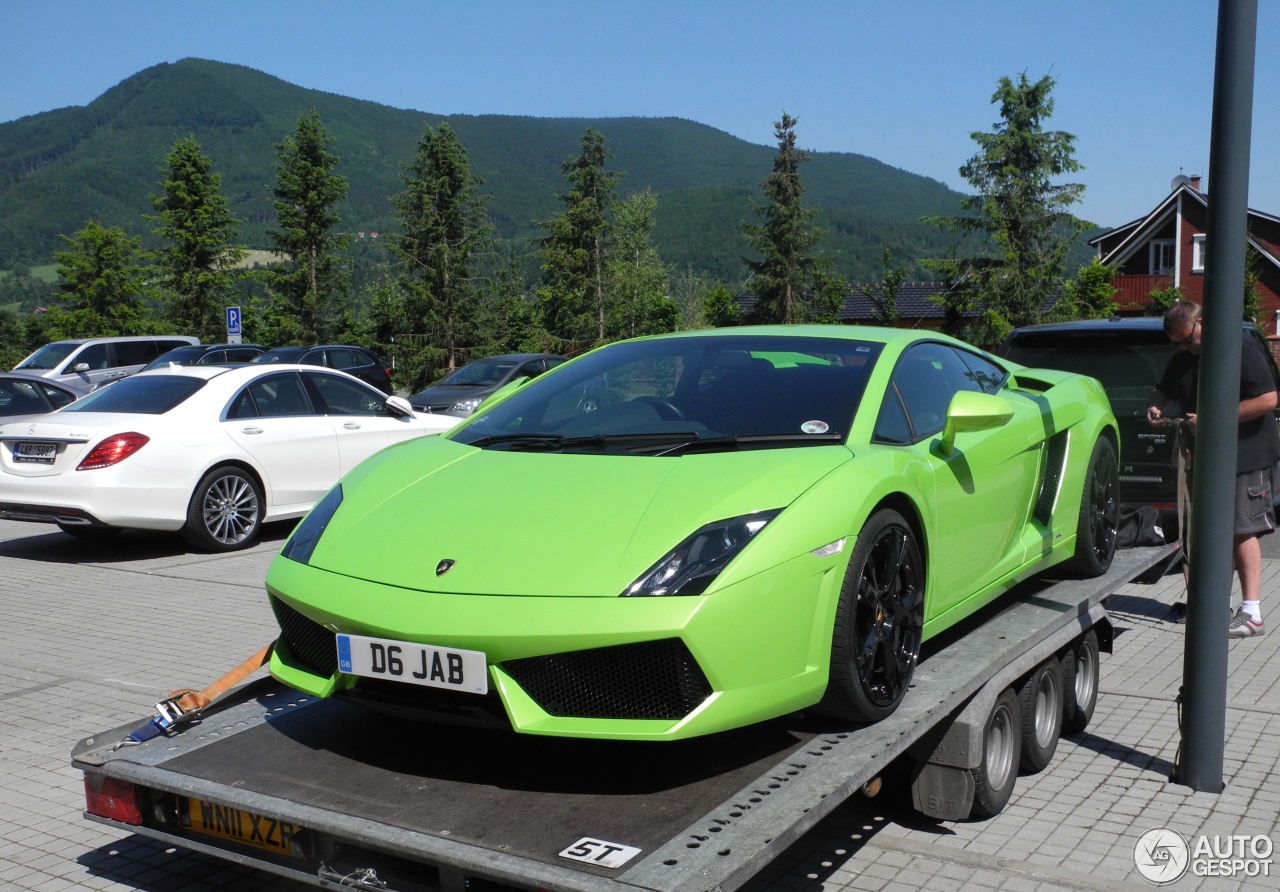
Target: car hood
(545, 524)
(450, 394)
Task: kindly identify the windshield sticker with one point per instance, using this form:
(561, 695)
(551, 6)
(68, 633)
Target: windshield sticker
(814, 427)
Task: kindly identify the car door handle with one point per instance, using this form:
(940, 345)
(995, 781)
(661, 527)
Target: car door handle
(250, 430)
(351, 425)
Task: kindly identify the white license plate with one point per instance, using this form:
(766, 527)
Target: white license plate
(423, 664)
(37, 452)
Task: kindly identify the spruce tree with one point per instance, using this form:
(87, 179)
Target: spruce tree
(101, 280)
(789, 276)
(635, 276)
(312, 282)
(445, 227)
(572, 299)
(1019, 210)
(196, 267)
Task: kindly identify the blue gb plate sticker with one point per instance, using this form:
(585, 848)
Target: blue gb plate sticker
(344, 653)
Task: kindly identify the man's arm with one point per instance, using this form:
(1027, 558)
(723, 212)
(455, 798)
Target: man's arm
(1157, 403)
(1256, 407)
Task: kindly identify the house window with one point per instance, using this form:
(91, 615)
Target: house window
(1161, 257)
(1197, 253)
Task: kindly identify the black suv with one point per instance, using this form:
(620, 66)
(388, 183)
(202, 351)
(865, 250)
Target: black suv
(1128, 355)
(344, 357)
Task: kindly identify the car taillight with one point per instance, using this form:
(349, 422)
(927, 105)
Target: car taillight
(106, 797)
(115, 448)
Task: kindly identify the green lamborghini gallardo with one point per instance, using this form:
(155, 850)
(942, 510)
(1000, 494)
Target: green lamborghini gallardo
(676, 535)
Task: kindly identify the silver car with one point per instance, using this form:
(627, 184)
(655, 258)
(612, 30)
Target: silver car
(90, 362)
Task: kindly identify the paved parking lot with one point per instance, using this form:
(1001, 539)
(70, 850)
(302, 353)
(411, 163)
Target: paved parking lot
(93, 634)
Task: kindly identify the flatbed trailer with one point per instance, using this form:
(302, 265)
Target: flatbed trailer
(335, 795)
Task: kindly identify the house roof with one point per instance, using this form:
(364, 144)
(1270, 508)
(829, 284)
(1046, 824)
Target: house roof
(1136, 233)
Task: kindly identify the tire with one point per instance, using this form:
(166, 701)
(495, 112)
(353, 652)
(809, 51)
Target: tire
(1080, 683)
(879, 623)
(1040, 701)
(1099, 512)
(996, 774)
(89, 533)
(225, 512)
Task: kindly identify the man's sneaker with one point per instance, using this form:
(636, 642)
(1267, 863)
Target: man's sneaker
(1243, 625)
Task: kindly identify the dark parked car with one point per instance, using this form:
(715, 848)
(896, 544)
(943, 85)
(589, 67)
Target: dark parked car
(207, 354)
(23, 394)
(344, 357)
(461, 392)
(1127, 355)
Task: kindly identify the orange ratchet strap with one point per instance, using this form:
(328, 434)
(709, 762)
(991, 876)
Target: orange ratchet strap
(186, 704)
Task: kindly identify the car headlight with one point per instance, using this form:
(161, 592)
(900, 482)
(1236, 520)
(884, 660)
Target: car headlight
(692, 565)
(466, 405)
(306, 536)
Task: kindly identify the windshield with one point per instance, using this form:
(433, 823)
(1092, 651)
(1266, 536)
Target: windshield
(784, 390)
(48, 356)
(179, 356)
(480, 372)
(1128, 364)
(140, 395)
(287, 356)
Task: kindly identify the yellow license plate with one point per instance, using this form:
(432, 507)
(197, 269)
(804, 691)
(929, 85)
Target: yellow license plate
(245, 827)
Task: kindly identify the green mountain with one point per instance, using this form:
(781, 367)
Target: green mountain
(103, 162)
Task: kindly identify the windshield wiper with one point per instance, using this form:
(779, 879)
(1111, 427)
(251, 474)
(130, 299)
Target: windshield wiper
(598, 441)
(730, 441)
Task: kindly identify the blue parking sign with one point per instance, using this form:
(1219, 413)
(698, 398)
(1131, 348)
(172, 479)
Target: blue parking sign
(233, 320)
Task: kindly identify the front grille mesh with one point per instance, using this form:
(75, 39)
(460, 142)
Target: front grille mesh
(310, 643)
(650, 680)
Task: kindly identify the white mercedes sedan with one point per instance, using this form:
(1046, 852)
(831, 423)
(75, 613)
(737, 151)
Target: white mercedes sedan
(211, 451)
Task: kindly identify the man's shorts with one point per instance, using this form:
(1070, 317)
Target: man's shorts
(1255, 508)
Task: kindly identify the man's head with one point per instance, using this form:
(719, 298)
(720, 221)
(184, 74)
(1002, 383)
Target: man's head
(1182, 325)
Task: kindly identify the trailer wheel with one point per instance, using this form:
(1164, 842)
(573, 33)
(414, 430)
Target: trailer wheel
(1041, 703)
(996, 774)
(1099, 512)
(1079, 683)
(225, 512)
(879, 622)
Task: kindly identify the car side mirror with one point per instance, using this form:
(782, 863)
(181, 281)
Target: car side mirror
(80, 367)
(399, 406)
(973, 411)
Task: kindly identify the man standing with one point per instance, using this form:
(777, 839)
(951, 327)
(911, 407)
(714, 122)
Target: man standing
(1257, 455)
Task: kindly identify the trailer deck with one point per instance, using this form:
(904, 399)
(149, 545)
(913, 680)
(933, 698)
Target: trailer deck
(333, 794)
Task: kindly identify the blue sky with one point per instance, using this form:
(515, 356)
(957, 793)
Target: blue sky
(903, 82)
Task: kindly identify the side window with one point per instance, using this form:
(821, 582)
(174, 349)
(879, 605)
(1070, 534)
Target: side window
(243, 406)
(313, 357)
(988, 376)
(531, 369)
(892, 426)
(96, 355)
(59, 398)
(925, 379)
(342, 397)
(345, 359)
(281, 395)
(135, 352)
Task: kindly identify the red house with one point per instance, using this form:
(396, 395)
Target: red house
(1167, 248)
